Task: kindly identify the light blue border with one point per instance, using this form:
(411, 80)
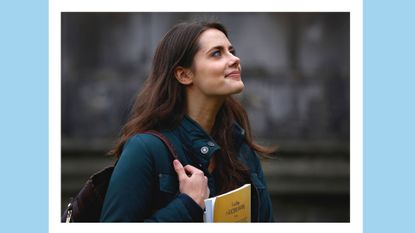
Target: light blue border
(24, 116)
(389, 116)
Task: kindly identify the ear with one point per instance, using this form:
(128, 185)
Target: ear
(183, 75)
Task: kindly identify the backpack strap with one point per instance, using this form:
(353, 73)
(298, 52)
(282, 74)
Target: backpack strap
(166, 141)
(170, 146)
(178, 145)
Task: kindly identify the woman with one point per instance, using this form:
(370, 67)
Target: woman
(187, 96)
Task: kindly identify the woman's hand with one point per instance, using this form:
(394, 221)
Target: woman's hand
(193, 182)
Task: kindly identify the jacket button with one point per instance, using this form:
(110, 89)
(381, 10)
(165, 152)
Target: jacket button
(210, 143)
(204, 150)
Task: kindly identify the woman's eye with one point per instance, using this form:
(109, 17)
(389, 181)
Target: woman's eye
(233, 52)
(216, 53)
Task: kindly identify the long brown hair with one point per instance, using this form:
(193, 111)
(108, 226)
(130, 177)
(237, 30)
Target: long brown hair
(161, 104)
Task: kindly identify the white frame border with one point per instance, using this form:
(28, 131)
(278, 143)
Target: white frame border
(355, 7)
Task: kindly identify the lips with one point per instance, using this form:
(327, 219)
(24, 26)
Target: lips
(233, 74)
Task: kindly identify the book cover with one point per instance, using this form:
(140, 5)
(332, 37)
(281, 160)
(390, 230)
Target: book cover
(233, 206)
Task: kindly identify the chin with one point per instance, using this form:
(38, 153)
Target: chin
(238, 89)
(228, 89)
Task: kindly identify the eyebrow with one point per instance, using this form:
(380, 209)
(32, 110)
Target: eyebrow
(220, 47)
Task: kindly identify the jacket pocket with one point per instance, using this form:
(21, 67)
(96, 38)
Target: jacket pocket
(168, 183)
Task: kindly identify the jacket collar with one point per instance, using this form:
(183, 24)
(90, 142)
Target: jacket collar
(198, 142)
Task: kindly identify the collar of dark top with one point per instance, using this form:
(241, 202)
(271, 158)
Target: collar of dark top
(200, 141)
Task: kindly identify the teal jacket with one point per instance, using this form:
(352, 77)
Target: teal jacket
(144, 185)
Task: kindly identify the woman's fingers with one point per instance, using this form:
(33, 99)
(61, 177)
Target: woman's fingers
(192, 182)
(178, 167)
(192, 170)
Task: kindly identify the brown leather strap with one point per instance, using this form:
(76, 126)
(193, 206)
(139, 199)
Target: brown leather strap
(165, 141)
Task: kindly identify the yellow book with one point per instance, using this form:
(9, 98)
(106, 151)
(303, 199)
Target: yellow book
(233, 206)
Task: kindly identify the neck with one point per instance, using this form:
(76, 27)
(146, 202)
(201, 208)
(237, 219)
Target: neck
(204, 111)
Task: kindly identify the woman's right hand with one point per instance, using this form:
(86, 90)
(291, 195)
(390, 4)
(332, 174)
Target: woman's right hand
(193, 182)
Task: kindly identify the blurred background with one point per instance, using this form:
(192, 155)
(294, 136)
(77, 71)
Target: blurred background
(296, 70)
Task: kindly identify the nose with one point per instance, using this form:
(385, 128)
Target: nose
(234, 60)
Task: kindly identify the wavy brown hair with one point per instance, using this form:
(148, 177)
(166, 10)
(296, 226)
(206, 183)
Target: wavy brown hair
(161, 104)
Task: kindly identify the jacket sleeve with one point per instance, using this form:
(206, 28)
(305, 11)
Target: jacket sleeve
(266, 211)
(134, 183)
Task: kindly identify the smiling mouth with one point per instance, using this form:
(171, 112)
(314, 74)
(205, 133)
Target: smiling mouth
(234, 75)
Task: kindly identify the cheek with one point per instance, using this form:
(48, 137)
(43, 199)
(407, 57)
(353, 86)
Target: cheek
(215, 71)
(210, 73)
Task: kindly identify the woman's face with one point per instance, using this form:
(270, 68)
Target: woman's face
(216, 70)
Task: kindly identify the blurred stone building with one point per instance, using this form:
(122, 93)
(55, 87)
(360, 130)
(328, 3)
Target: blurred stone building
(296, 70)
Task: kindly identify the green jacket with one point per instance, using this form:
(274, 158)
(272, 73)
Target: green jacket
(144, 185)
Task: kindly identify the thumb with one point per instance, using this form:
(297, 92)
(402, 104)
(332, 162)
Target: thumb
(178, 167)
